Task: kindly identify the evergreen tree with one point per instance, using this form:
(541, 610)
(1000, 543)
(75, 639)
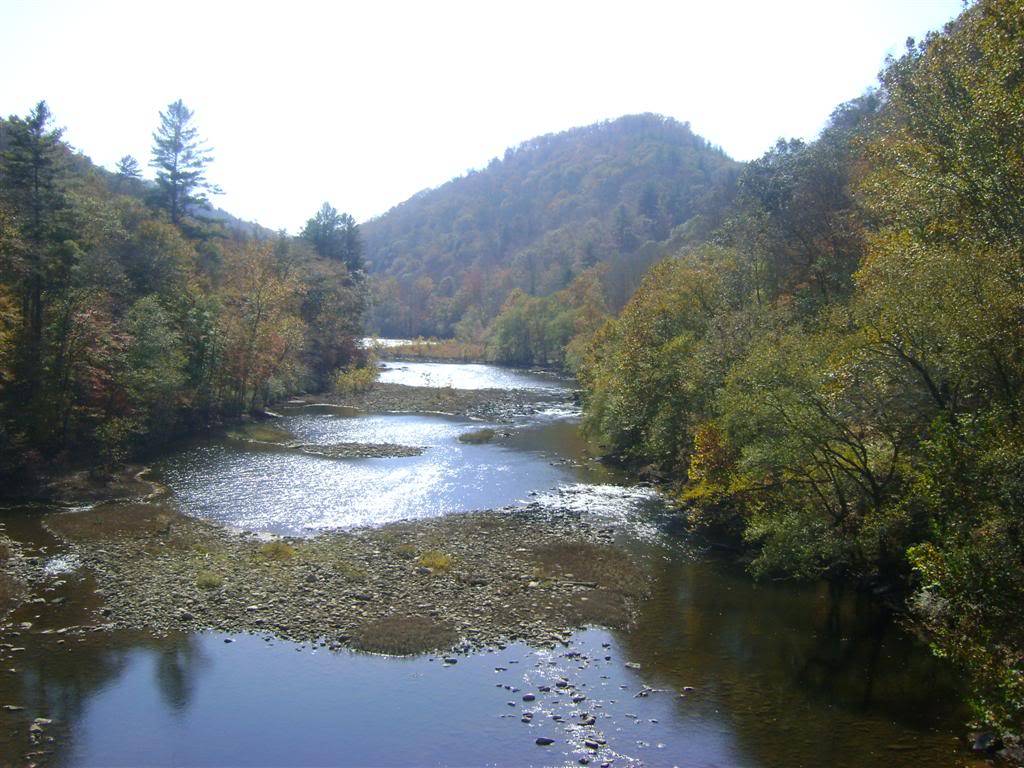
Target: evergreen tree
(31, 182)
(336, 236)
(128, 168)
(180, 160)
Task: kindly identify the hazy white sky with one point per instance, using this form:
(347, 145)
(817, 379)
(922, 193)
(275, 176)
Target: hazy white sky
(364, 104)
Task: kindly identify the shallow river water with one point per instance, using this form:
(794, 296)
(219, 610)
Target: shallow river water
(722, 671)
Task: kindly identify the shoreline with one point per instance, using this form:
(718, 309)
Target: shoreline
(463, 581)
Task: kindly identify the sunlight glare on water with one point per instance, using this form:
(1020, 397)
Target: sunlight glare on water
(280, 491)
(465, 376)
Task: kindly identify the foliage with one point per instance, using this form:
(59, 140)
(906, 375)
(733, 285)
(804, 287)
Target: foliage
(352, 381)
(840, 381)
(120, 328)
(336, 236)
(549, 210)
(548, 330)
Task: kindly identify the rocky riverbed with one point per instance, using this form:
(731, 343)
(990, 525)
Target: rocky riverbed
(495, 405)
(460, 582)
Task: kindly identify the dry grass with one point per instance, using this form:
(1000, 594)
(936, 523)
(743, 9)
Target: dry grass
(277, 551)
(405, 551)
(440, 349)
(435, 560)
(404, 635)
(478, 437)
(209, 580)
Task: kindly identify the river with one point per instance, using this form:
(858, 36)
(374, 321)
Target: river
(714, 671)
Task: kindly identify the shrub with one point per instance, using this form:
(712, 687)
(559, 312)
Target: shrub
(209, 580)
(435, 560)
(478, 437)
(354, 380)
(277, 550)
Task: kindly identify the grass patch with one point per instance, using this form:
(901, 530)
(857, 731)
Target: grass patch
(478, 437)
(435, 560)
(261, 433)
(277, 551)
(404, 635)
(439, 349)
(405, 551)
(114, 521)
(209, 580)
(349, 570)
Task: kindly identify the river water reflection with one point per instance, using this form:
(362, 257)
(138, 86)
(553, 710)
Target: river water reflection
(781, 675)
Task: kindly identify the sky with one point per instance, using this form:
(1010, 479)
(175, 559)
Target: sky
(363, 104)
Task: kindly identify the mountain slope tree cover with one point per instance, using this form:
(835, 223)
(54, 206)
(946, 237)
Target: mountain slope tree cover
(838, 378)
(550, 210)
(127, 316)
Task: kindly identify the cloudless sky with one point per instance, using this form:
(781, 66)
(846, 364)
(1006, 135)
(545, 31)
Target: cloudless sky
(364, 104)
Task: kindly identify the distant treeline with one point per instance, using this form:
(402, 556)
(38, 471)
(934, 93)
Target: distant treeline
(837, 376)
(131, 311)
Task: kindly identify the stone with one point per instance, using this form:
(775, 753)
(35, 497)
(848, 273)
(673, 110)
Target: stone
(544, 741)
(986, 742)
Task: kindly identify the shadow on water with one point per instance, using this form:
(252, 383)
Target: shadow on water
(803, 674)
(782, 675)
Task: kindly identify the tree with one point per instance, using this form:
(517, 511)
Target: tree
(336, 236)
(33, 181)
(128, 168)
(180, 160)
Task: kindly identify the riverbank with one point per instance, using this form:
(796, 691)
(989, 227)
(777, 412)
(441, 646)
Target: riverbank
(464, 581)
(460, 582)
(459, 591)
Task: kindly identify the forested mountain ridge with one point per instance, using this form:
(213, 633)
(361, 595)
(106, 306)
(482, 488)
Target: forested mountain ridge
(550, 209)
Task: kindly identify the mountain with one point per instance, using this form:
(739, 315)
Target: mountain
(553, 207)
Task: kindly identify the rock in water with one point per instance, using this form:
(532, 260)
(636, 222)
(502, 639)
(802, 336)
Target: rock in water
(986, 742)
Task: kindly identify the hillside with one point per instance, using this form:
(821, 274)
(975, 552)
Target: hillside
(552, 208)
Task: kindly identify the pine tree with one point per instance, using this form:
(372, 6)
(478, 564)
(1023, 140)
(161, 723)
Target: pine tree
(128, 168)
(32, 176)
(180, 160)
(336, 236)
